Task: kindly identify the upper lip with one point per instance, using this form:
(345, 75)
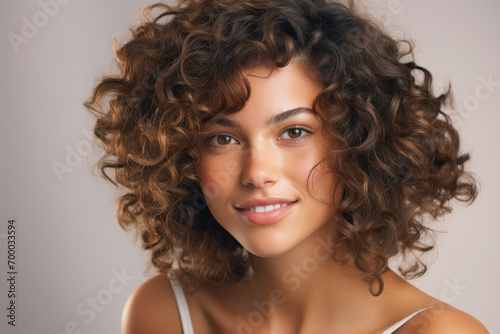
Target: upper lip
(263, 202)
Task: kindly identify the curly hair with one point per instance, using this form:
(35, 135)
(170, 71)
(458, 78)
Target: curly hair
(393, 148)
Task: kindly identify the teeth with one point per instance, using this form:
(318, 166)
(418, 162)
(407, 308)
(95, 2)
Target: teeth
(266, 208)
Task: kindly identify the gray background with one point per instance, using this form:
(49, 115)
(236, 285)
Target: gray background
(70, 247)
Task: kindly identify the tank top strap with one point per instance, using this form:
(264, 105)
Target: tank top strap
(402, 322)
(182, 306)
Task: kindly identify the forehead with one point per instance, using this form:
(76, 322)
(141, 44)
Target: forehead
(273, 90)
(277, 89)
(280, 88)
(294, 72)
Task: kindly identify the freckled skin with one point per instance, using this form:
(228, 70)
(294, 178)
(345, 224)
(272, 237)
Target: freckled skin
(270, 161)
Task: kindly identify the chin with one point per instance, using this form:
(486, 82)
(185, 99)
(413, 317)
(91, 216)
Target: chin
(265, 253)
(268, 246)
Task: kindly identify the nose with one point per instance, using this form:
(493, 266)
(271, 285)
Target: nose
(260, 166)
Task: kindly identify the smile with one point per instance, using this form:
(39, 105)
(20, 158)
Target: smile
(266, 214)
(267, 208)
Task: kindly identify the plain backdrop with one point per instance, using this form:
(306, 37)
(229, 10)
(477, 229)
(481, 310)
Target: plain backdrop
(75, 265)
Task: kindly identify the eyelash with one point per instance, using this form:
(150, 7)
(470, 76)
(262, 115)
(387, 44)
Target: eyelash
(297, 140)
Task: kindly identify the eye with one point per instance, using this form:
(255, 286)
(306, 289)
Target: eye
(221, 140)
(294, 133)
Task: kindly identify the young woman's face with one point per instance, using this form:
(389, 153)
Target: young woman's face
(259, 159)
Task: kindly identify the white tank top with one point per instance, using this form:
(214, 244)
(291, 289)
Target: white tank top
(180, 298)
(187, 325)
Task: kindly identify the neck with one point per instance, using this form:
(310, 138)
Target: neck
(307, 285)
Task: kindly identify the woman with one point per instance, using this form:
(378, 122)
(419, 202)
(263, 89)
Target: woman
(277, 155)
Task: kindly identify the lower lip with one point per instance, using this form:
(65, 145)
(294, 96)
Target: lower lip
(264, 218)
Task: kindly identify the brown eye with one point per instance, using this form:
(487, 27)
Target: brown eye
(295, 133)
(221, 140)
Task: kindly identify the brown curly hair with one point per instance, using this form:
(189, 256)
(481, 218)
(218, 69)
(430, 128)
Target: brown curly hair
(392, 146)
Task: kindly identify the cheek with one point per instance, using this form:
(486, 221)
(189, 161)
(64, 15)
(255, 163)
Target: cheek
(208, 183)
(325, 184)
(217, 176)
(299, 164)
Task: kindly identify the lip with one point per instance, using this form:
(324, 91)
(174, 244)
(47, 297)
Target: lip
(265, 218)
(264, 202)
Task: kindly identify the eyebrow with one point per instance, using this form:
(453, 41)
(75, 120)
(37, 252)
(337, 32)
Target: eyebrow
(273, 120)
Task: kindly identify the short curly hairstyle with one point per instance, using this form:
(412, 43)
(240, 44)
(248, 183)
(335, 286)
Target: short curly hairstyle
(393, 148)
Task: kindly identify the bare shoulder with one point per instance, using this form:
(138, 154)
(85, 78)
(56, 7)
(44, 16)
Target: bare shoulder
(151, 309)
(443, 320)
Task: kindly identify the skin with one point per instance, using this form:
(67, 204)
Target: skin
(293, 286)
